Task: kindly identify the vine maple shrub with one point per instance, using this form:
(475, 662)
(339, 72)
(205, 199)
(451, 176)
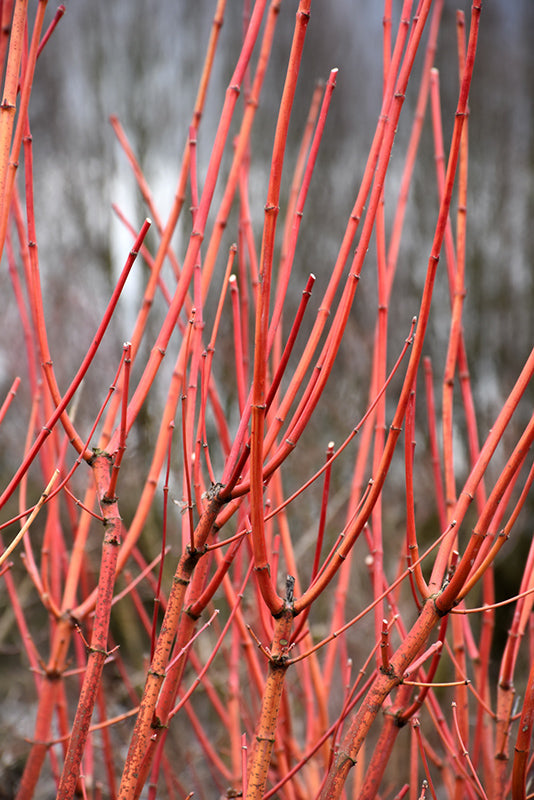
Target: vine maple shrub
(275, 662)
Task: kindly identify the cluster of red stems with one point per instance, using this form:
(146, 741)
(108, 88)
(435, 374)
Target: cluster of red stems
(466, 738)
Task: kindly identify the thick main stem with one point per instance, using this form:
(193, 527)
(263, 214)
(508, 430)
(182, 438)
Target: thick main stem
(98, 647)
(384, 684)
(146, 719)
(272, 697)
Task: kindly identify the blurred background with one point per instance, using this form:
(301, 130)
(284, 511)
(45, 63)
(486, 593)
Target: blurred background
(140, 60)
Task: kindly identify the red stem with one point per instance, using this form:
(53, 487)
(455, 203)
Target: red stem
(159, 348)
(69, 394)
(110, 495)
